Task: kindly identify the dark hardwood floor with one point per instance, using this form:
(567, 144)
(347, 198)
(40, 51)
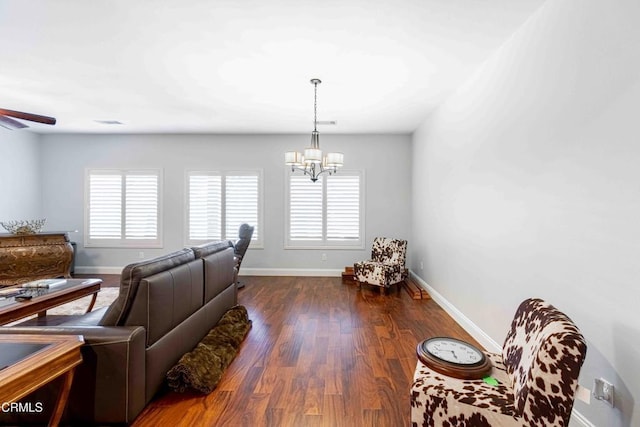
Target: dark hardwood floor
(320, 353)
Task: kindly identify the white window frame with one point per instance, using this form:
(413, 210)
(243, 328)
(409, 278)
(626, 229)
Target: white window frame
(323, 243)
(123, 242)
(257, 240)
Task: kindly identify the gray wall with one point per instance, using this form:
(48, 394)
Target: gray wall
(19, 176)
(385, 159)
(526, 184)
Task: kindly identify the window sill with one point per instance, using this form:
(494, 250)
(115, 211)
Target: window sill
(323, 247)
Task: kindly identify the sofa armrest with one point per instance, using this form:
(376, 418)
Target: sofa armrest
(108, 386)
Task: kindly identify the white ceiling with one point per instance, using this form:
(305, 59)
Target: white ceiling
(243, 66)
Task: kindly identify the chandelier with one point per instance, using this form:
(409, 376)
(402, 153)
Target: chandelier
(312, 163)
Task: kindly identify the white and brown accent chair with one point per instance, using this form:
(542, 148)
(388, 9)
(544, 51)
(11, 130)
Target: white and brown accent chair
(537, 377)
(386, 266)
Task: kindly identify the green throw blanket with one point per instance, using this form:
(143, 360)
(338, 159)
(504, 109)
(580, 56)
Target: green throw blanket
(202, 368)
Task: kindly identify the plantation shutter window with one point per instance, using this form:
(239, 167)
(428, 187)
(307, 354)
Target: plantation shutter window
(241, 204)
(205, 207)
(123, 208)
(343, 208)
(141, 213)
(326, 213)
(105, 206)
(220, 201)
(305, 202)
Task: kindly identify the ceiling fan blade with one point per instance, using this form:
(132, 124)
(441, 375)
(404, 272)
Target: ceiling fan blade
(28, 116)
(11, 124)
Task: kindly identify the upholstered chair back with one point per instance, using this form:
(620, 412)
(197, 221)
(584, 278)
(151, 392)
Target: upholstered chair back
(543, 353)
(244, 239)
(393, 251)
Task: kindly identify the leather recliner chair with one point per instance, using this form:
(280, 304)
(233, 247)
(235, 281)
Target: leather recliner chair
(245, 233)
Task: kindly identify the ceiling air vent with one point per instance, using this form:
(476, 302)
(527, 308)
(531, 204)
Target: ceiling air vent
(108, 122)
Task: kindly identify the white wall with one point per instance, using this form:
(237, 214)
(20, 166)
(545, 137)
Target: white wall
(385, 159)
(19, 176)
(526, 183)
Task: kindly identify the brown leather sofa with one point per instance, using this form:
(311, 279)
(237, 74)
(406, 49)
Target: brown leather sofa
(164, 308)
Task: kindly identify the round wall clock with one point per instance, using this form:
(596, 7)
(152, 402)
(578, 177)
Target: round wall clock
(455, 358)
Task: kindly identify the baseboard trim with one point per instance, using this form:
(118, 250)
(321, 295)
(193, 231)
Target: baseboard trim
(98, 270)
(305, 272)
(580, 419)
(466, 323)
(478, 334)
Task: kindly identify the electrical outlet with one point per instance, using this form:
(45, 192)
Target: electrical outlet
(421, 265)
(141, 255)
(603, 390)
(324, 257)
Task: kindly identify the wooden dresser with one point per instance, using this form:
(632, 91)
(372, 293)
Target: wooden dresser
(27, 257)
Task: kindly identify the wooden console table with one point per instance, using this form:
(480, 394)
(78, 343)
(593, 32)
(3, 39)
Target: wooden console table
(38, 360)
(27, 257)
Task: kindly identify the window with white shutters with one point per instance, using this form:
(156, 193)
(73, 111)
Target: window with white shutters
(219, 201)
(343, 208)
(326, 213)
(305, 208)
(205, 207)
(123, 208)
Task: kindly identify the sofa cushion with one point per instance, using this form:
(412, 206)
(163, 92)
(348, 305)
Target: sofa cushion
(130, 280)
(166, 299)
(219, 267)
(211, 248)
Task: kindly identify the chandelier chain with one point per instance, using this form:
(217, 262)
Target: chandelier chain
(315, 105)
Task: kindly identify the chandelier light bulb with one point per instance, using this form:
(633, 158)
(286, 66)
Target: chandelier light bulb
(334, 160)
(293, 158)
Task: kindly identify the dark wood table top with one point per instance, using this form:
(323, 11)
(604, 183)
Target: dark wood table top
(42, 299)
(45, 358)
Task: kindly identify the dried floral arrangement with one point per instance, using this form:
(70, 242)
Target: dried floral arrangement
(24, 226)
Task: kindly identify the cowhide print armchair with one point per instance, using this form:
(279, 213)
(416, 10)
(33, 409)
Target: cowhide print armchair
(387, 264)
(537, 375)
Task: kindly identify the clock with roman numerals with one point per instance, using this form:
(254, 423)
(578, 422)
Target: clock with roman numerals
(453, 357)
